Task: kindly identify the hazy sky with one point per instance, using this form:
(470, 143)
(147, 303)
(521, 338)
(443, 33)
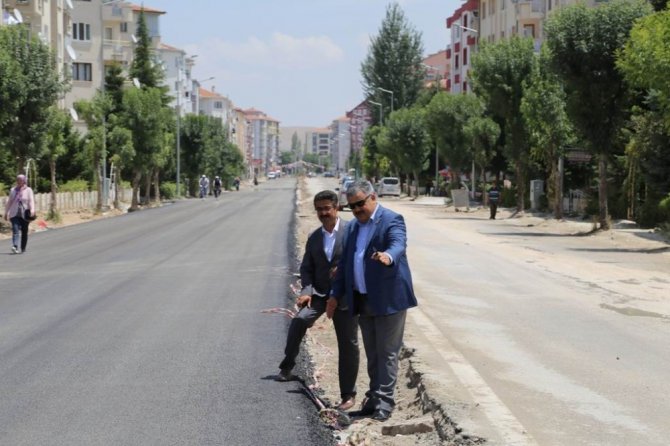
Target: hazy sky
(297, 60)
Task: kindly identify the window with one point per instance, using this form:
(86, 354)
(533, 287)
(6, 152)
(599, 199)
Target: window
(82, 72)
(124, 27)
(483, 10)
(465, 21)
(465, 86)
(465, 56)
(218, 105)
(548, 5)
(81, 31)
(529, 31)
(456, 61)
(108, 33)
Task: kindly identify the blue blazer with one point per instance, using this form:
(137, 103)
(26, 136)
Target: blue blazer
(389, 288)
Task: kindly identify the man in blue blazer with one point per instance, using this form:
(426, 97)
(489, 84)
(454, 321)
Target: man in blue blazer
(374, 280)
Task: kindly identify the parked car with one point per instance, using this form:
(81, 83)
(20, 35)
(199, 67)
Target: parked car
(342, 194)
(328, 174)
(272, 175)
(388, 186)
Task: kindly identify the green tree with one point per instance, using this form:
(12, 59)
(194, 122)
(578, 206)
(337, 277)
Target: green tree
(144, 67)
(483, 133)
(645, 58)
(498, 73)
(60, 138)
(296, 146)
(583, 43)
(406, 141)
(447, 118)
(544, 110)
(32, 88)
(374, 163)
(393, 63)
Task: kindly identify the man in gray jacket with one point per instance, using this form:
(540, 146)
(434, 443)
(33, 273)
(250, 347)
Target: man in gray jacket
(318, 267)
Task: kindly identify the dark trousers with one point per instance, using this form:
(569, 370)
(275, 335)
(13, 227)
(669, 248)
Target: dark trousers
(346, 330)
(494, 208)
(19, 226)
(382, 339)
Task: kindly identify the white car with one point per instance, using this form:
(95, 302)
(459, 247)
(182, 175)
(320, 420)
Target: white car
(388, 186)
(342, 194)
(272, 175)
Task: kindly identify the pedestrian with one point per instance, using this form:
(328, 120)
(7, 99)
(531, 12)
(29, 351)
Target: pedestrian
(255, 180)
(374, 279)
(236, 183)
(319, 263)
(217, 187)
(494, 198)
(204, 186)
(429, 187)
(21, 201)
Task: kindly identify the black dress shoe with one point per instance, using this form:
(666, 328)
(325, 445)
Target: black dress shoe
(381, 415)
(364, 412)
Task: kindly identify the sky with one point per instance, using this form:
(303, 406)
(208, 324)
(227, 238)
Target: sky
(296, 60)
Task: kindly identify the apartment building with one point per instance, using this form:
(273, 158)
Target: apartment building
(340, 143)
(463, 25)
(262, 141)
(360, 118)
(505, 18)
(177, 69)
(51, 21)
(437, 69)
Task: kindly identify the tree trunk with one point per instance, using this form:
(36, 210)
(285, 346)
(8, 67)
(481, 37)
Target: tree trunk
(54, 189)
(602, 193)
(520, 188)
(416, 180)
(485, 196)
(117, 179)
(558, 188)
(98, 205)
(147, 188)
(157, 190)
(134, 203)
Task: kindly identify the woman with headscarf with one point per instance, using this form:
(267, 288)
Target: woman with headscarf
(21, 200)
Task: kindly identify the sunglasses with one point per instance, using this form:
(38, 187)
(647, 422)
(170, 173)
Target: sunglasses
(360, 203)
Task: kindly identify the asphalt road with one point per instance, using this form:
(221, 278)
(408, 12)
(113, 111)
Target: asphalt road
(147, 329)
(529, 337)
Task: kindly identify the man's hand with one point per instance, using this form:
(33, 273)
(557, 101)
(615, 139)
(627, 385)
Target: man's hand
(382, 257)
(331, 306)
(304, 301)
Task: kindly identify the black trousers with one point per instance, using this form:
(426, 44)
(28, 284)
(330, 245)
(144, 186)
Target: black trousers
(346, 330)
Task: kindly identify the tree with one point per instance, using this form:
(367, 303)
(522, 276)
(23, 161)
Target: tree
(498, 73)
(60, 138)
(406, 141)
(296, 146)
(447, 118)
(544, 110)
(645, 58)
(374, 163)
(394, 63)
(483, 132)
(583, 43)
(32, 88)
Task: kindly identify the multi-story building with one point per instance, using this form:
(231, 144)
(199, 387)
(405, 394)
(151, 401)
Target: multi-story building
(211, 103)
(262, 141)
(318, 142)
(103, 34)
(463, 24)
(500, 19)
(437, 69)
(51, 21)
(340, 143)
(177, 68)
(360, 119)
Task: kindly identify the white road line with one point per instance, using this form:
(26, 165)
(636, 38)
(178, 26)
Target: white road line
(502, 420)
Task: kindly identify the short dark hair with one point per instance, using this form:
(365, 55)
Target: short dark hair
(326, 195)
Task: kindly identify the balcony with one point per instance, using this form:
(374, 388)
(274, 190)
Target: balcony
(117, 50)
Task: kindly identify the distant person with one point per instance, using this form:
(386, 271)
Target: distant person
(255, 180)
(21, 201)
(494, 199)
(374, 280)
(204, 186)
(217, 187)
(236, 183)
(429, 187)
(319, 263)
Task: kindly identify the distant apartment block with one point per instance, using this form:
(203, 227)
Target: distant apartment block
(262, 141)
(463, 24)
(437, 69)
(360, 119)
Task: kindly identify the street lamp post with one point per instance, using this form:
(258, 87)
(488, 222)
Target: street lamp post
(389, 92)
(381, 111)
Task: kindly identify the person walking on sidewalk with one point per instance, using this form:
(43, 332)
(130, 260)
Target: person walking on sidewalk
(374, 279)
(21, 201)
(217, 187)
(204, 186)
(494, 199)
(322, 254)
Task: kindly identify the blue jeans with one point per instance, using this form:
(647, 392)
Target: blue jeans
(19, 225)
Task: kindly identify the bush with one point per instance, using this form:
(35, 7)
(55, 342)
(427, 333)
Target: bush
(3, 190)
(168, 190)
(74, 186)
(508, 198)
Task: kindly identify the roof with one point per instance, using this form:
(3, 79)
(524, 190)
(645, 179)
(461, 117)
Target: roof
(164, 46)
(207, 94)
(138, 8)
